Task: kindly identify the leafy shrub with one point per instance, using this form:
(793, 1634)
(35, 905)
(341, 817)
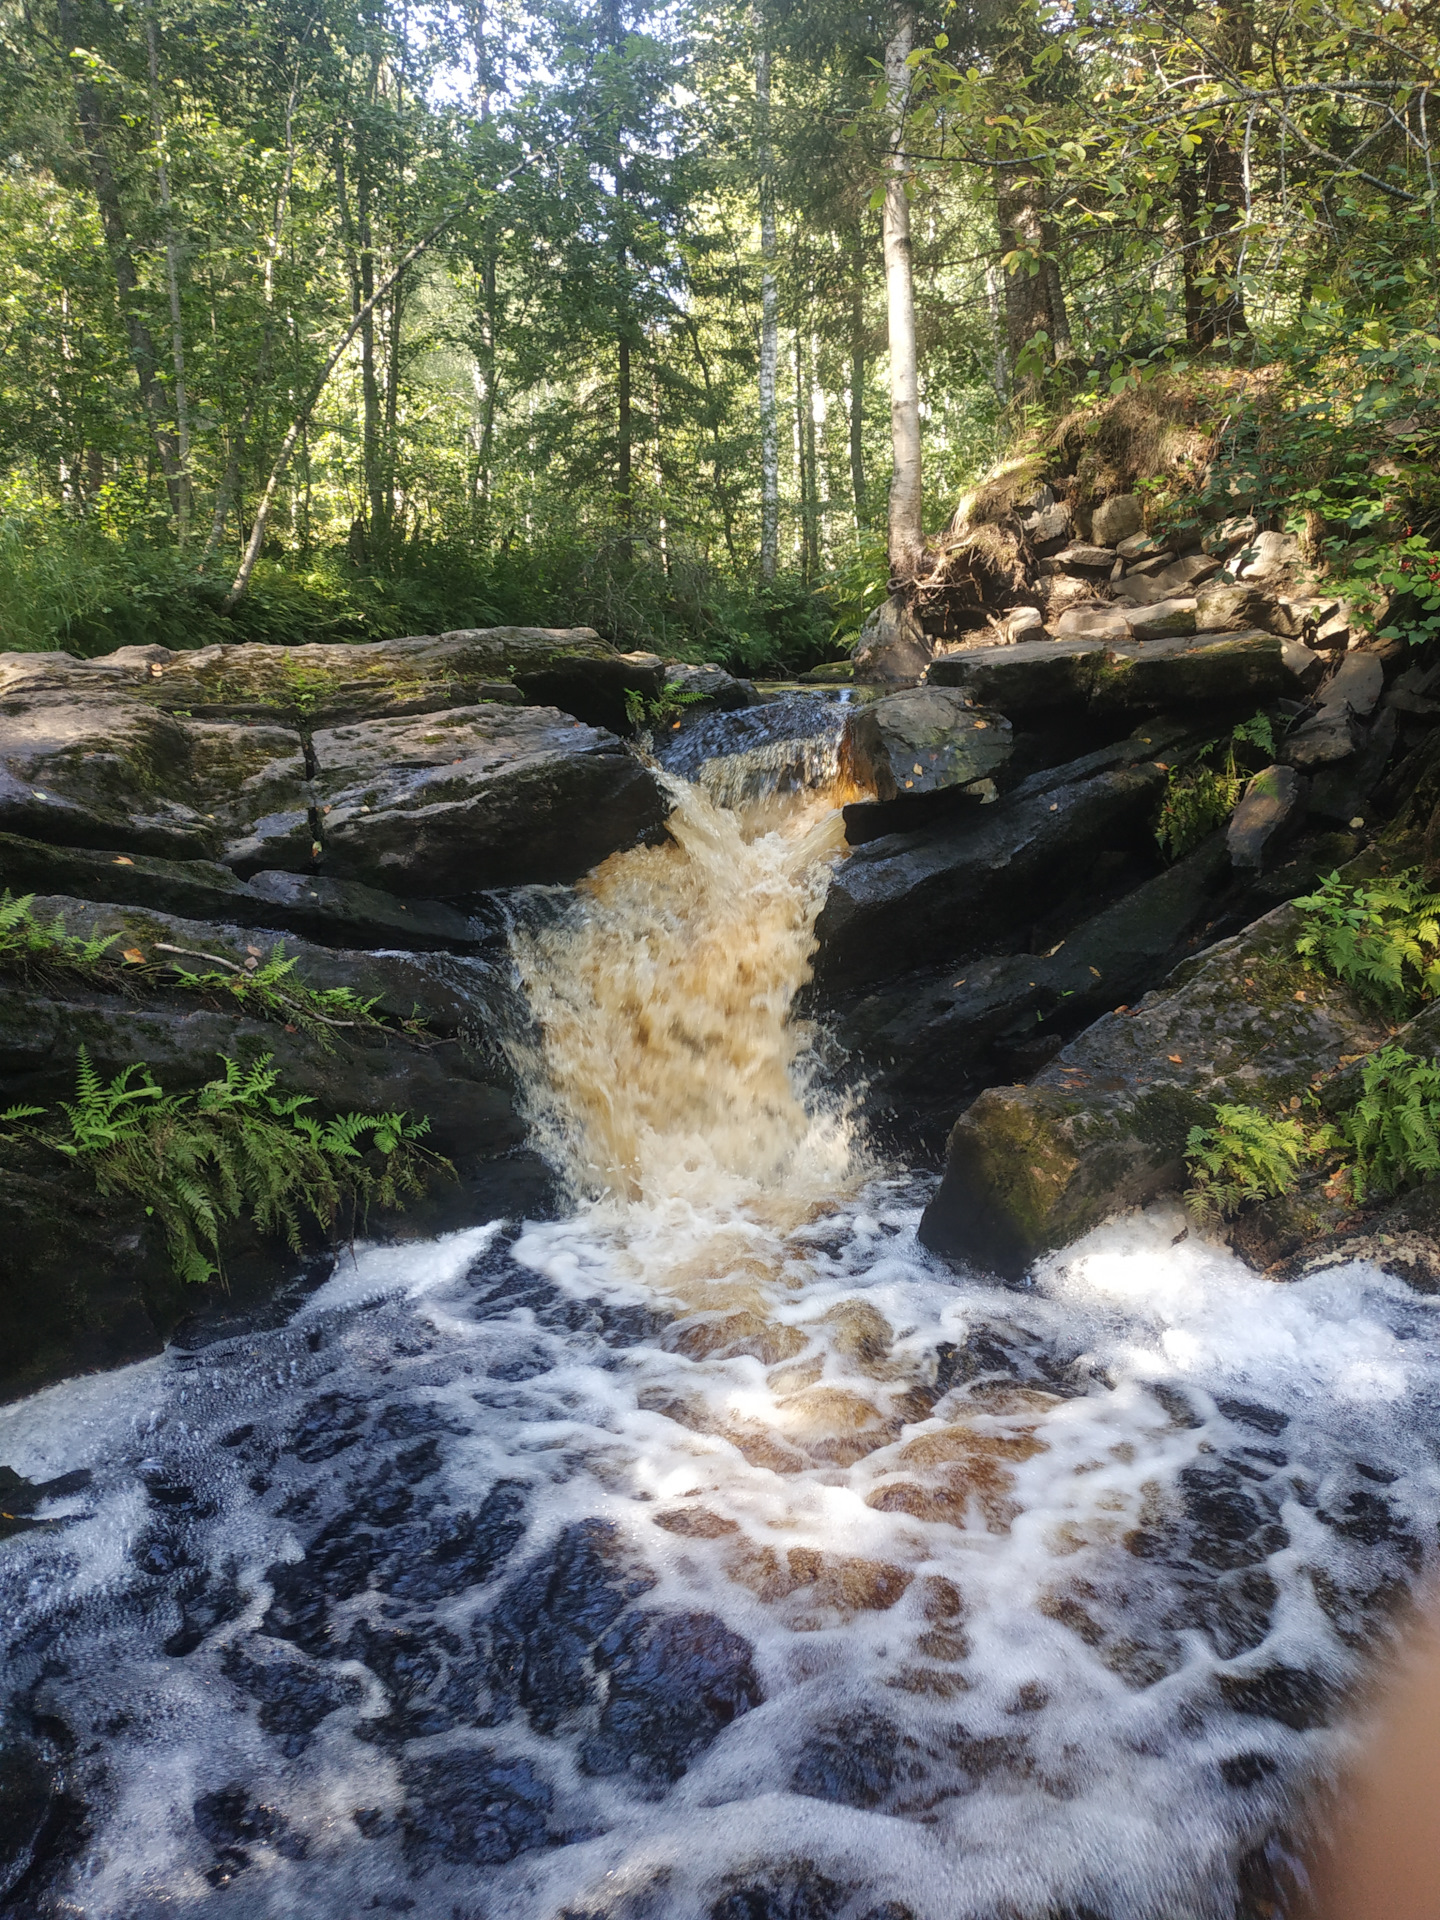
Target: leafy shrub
(1245, 1155)
(235, 1150)
(1393, 1130)
(1381, 938)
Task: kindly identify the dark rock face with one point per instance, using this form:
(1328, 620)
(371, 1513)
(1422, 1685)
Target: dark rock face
(942, 884)
(675, 1681)
(925, 741)
(476, 797)
(366, 798)
(474, 1808)
(1114, 675)
(1103, 1126)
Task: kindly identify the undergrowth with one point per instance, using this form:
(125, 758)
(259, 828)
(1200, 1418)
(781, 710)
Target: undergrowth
(1387, 1138)
(1381, 938)
(1244, 1155)
(235, 1150)
(263, 986)
(1202, 796)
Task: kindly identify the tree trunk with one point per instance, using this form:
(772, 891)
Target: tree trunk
(1034, 303)
(906, 519)
(857, 379)
(769, 313)
(143, 356)
(1211, 195)
(184, 485)
(624, 419)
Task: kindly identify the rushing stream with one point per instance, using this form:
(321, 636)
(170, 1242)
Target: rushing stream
(716, 1553)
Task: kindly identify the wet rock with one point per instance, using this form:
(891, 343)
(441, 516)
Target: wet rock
(922, 1039)
(1273, 803)
(551, 1617)
(798, 1891)
(475, 797)
(706, 689)
(1294, 1696)
(987, 866)
(232, 1822)
(474, 1808)
(676, 1681)
(1116, 519)
(294, 1695)
(1104, 1125)
(855, 1762)
(892, 649)
(462, 1550)
(925, 740)
(28, 1793)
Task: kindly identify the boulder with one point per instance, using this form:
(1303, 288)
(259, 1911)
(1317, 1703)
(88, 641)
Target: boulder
(1104, 1125)
(1024, 623)
(1175, 579)
(85, 1280)
(1270, 556)
(1237, 531)
(454, 803)
(1086, 556)
(1048, 526)
(334, 912)
(938, 890)
(708, 688)
(1230, 492)
(84, 761)
(1094, 622)
(924, 740)
(1039, 676)
(892, 649)
(1272, 805)
(1221, 608)
(922, 1039)
(1143, 546)
(1163, 620)
(1116, 519)
(1357, 682)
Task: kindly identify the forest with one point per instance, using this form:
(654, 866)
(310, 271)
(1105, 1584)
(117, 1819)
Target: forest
(332, 319)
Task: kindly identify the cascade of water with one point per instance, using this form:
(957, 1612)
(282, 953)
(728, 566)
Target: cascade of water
(714, 1553)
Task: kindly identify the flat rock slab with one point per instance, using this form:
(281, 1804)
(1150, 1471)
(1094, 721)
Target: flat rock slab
(931, 891)
(1273, 802)
(451, 804)
(320, 685)
(85, 762)
(1039, 676)
(1104, 1125)
(924, 740)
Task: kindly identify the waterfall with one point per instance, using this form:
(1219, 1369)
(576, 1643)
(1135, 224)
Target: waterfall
(715, 1552)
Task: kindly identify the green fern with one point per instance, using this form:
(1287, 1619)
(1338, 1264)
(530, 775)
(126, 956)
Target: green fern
(1393, 1130)
(1245, 1155)
(236, 1149)
(1199, 798)
(1381, 938)
(270, 989)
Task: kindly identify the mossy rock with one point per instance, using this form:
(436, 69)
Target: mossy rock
(1103, 1126)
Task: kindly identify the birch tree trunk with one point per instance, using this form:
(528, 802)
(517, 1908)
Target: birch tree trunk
(184, 485)
(769, 313)
(906, 525)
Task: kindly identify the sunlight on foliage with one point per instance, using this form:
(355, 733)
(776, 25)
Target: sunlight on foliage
(1381, 938)
(235, 1150)
(1245, 1155)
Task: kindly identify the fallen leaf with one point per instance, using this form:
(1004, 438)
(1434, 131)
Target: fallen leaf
(251, 965)
(1294, 1103)
(917, 768)
(289, 1029)
(123, 860)
(134, 956)
(254, 950)
(981, 725)
(1300, 994)
(1175, 1059)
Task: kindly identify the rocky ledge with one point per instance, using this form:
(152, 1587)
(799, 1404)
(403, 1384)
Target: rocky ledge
(357, 811)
